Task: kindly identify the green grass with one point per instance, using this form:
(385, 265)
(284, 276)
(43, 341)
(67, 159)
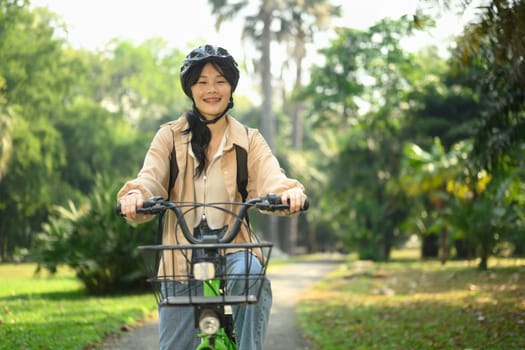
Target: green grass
(411, 304)
(52, 312)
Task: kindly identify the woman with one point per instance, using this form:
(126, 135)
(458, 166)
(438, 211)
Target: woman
(204, 140)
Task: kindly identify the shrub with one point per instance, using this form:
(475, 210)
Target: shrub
(100, 246)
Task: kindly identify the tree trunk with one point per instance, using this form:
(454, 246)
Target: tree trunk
(464, 249)
(387, 245)
(268, 119)
(484, 254)
(484, 261)
(429, 246)
(297, 126)
(312, 239)
(444, 246)
(3, 248)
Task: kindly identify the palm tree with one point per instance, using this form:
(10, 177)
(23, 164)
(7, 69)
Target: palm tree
(262, 39)
(257, 29)
(297, 22)
(429, 174)
(302, 21)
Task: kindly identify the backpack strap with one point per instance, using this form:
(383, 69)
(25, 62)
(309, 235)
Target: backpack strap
(242, 171)
(174, 167)
(242, 174)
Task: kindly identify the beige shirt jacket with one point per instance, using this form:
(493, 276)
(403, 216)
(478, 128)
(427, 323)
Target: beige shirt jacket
(264, 176)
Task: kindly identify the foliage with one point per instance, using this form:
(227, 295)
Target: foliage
(32, 80)
(431, 171)
(97, 244)
(444, 101)
(416, 305)
(443, 115)
(484, 215)
(362, 183)
(41, 311)
(141, 82)
(476, 207)
(495, 43)
(68, 114)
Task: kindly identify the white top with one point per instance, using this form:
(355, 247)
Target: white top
(210, 188)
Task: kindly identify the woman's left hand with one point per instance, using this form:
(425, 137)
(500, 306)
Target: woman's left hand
(295, 197)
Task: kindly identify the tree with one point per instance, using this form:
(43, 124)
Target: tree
(289, 17)
(304, 19)
(63, 123)
(428, 173)
(141, 82)
(256, 28)
(444, 104)
(299, 24)
(364, 66)
(493, 41)
(34, 82)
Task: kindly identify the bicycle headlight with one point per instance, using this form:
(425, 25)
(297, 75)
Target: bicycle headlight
(209, 322)
(204, 271)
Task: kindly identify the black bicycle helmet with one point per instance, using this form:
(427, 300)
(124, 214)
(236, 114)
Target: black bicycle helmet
(199, 57)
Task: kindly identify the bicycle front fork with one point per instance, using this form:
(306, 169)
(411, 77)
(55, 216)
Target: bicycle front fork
(216, 327)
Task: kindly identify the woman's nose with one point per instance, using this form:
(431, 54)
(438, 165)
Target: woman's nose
(212, 88)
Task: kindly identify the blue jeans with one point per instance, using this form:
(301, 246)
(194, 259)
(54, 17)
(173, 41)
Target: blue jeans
(176, 324)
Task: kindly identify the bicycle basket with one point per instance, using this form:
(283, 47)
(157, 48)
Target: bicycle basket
(196, 274)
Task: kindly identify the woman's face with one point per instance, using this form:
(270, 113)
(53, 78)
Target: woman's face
(211, 92)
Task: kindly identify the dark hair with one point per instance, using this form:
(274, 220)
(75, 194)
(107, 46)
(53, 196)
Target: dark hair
(200, 137)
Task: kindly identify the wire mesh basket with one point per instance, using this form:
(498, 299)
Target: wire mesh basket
(197, 274)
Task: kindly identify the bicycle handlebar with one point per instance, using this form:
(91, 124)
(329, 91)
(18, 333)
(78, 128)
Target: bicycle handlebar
(157, 205)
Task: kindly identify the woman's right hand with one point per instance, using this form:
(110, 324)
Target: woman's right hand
(130, 202)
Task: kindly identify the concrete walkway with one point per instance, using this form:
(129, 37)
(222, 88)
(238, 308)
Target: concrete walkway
(288, 283)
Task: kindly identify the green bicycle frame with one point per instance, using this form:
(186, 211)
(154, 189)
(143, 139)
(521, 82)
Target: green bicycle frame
(220, 340)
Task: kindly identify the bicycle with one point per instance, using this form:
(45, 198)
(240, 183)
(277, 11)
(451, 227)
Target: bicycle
(200, 278)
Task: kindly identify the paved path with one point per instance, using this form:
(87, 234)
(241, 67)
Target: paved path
(288, 283)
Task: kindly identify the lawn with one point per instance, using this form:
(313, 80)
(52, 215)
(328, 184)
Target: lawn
(52, 312)
(413, 304)
(404, 304)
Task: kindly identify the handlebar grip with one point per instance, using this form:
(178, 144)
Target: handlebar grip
(118, 210)
(148, 207)
(272, 202)
(275, 199)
